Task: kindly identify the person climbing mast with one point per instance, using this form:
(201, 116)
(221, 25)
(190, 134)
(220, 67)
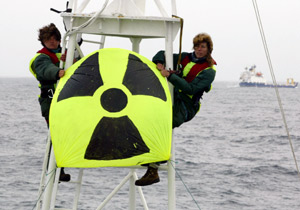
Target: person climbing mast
(198, 73)
(45, 67)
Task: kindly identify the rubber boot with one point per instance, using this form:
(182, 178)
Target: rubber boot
(63, 177)
(150, 177)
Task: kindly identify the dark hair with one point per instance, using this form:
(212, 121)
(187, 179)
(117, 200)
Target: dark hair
(203, 37)
(47, 32)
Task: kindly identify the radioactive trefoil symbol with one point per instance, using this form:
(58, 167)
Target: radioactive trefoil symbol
(113, 138)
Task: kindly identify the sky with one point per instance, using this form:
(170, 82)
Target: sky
(232, 25)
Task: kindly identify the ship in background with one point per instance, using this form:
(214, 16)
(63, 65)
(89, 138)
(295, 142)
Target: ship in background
(251, 78)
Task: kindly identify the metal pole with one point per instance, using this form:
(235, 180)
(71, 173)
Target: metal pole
(115, 191)
(132, 189)
(136, 44)
(44, 171)
(78, 187)
(141, 5)
(171, 170)
(174, 8)
(161, 8)
(55, 187)
(50, 182)
(71, 50)
(102, 41)
(141, 194)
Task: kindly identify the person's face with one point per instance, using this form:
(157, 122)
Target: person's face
(201, 50)
(51, 43)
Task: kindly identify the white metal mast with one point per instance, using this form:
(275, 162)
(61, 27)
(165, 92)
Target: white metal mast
(121, 18)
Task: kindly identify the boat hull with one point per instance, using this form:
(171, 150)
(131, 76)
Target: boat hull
(254, 84)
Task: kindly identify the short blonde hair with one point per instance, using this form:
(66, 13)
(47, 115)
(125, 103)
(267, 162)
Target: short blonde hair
(203, 37)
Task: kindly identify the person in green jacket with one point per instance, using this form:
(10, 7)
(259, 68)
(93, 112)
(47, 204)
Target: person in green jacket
(45, 67)
(195, 77)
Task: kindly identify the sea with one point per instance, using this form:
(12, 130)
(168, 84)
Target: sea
(234, 155)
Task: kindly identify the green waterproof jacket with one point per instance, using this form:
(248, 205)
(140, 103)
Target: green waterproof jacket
(187, 95)
(46, 72)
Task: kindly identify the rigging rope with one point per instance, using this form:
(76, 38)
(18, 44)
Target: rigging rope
(51, 173)
(73, 30)
(89, 22)
(187, 189)
(273, 78)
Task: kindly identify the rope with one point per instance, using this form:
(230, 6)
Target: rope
(273, 78)
(180, 42)
(39, 198)
(89, 22)
(187, 189)
(84, 25)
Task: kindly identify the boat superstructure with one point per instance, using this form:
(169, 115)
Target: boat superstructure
(119, 18)
(252, 78)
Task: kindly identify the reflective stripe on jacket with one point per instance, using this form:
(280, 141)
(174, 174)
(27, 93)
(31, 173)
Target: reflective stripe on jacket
(191, 70)
(44, 67)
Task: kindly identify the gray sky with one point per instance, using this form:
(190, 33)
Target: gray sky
(231, 23)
